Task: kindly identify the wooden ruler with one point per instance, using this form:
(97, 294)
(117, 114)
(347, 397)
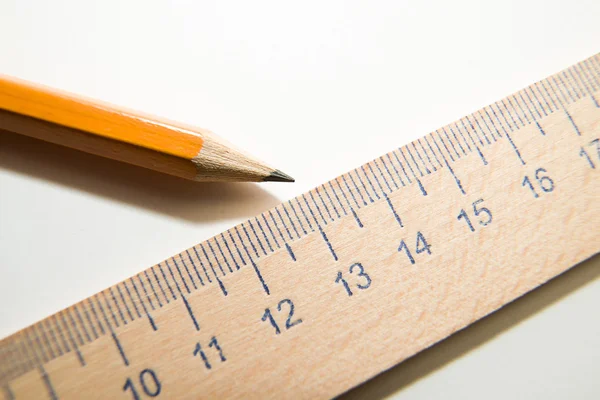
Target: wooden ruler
(329, 289)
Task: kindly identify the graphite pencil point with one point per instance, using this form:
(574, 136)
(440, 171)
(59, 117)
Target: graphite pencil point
(278, 176)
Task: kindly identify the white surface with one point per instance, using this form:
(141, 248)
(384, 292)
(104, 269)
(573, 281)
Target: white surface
(347, 81)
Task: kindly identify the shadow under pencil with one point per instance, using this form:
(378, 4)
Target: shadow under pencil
(160, 193)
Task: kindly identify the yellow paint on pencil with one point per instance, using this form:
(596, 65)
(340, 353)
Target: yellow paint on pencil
(96, 118)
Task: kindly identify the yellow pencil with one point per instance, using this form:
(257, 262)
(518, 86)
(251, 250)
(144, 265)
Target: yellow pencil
(125, 135)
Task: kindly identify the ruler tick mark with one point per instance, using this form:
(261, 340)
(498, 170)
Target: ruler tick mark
(95, 315)
(337, 198)
(423, 191)
(112, 294)
(322, 202)
(152, 324)
(358, 221)
(48, 383)
(573, 123)
(74, 325)
(263, 233)
(202, 264)
(166, 281)
(283, 222)
(256, 270)
(175, 280)
(331, 203)
(120, 348)
(193, 266)
(362, 184)
(151, 287)
(223, 255)
(482, 157)
(515, 148)
(396, 217)
(291, 253)
(89, 339)
(135, 308)
(540, 128)
(124, 303)
(9, 393)
(455, 178)
(213, 270)
(190, 312)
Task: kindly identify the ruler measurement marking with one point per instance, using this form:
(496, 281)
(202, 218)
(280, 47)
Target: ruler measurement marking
(106, 320)
(512, 118)
(237, 266)
(112, 294)
(358, 187)
(523, 105)
(540, 95)
(187, 270)
(190, 312)
(95, 315)
(565, 85)
(475, 131)
(48, 383)
(297, 217)
(8, 392)
(383, 178)
(553, 99)
(40, 333)
(119, 347)
(187, 289)
(248, 222)
(213, 270)
(223, 255)
(323, 234)
(495, 121)
(151, 287)
(445, 132)
(135, 308)
(424, 150)
(254, 266)
(237, 248)
(165, 281)
(588, 80)
(382, 160)
(85, 331)
(506, 126)
(349, 190)
(201, 264)
(533, 103)
(362, 169)
(515, 148)
(137, 292)
(584, 83)
(425, 167)
(279, 229)
(573, 123)
(316, 206)
(432, 150)
(51, 335)
(514, 108)
(558, 88)
(331, 203)
(265, 235)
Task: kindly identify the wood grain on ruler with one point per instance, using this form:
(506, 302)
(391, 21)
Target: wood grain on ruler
(328, 289)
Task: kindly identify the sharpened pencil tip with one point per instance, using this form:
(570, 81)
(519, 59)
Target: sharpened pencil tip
(278, 176)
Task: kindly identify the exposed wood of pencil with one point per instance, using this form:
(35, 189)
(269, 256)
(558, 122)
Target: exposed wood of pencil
(124, 135)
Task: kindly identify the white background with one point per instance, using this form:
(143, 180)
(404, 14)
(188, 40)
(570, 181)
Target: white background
(315, 89)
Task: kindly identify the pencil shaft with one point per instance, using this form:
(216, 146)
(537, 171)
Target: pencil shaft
(124, 135)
